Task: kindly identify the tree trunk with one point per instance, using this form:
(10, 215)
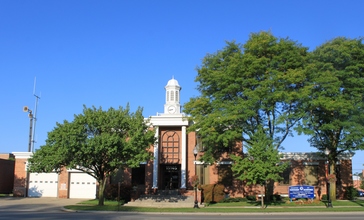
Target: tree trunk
(332, 184)
(269, 190)
(262, 195)
(102, 184)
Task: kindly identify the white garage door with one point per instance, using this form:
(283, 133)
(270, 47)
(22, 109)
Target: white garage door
(43, 185)
(82, 186)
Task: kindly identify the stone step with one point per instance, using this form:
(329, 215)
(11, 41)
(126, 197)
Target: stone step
(162, 201)
(168, 192)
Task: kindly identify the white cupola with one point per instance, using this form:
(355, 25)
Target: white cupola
(172, 105)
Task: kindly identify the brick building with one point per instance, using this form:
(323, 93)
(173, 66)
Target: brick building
(174, 163)
(7, 163)
(358, 181)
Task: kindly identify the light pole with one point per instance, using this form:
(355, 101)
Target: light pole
(195, 151)
(30, 115)
(329, 203)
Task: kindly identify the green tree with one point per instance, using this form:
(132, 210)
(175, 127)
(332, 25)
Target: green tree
(96, 142)
(261, 164)
(244, 87)
(335, 120)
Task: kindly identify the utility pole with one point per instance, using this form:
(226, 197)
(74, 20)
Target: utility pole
(30, 115)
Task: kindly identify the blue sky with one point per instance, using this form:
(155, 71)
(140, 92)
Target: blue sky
(110, 53)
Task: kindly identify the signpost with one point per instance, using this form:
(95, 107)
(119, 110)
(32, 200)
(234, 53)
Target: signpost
(301, 192)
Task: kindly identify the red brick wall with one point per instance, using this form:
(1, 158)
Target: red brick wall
(346, 178)
(297, 177)
(20, 176)
(190, 166)
(63, 183)
(6, 156)
(148, 177)
(6, 176)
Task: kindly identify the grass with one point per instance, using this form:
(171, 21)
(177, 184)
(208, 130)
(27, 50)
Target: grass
(359, 203)
(236, 207)
(5, 195)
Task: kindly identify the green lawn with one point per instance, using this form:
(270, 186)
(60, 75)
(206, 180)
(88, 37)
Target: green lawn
(5, 195)
(236, 207)
(293, 203)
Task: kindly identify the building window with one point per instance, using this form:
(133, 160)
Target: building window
(199, 143)
(225, 175)
(311, 175)
(202, 171)
(170, 148)
(167, 96)
(172, 96)
(138, 175)
(286, 176)
(177, 97)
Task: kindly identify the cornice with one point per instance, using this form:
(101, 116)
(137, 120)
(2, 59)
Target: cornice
(22, 155)
(311, 156)
(169, 120)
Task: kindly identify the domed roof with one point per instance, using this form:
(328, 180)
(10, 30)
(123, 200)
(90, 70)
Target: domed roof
(173, 82)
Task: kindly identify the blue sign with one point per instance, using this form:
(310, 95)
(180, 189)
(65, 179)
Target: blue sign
(301, 191)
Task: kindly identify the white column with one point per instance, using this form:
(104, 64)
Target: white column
(156, 160)
(184, 158)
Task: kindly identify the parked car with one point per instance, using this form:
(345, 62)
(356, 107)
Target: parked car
(361, 193)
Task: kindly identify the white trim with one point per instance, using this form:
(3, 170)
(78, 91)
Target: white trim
(311, 156)
(22, 155)
(169, 120)
(75, 171)
(224, 162)
(197, 162)
(311, 163)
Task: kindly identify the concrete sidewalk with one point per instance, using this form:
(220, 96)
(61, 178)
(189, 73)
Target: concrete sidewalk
(35, 204)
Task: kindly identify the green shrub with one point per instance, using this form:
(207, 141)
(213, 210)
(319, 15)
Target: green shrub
(231, 200)
(275, 198)
(213, 193)
(251, 198)
(111, 192)
(351, 192)
(285, 199)
(324, 197)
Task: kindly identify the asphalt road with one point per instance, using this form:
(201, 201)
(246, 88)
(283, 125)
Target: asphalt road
(52, 208)
(33, 215)
(21, 204)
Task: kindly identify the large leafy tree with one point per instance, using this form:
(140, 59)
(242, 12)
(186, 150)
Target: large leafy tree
(335, 119)
(96, 142)
(261, 164)
(245, 87)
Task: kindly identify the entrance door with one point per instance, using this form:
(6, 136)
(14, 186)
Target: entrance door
(170, 176)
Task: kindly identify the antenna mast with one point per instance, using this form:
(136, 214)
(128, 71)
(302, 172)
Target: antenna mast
(34, 115)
